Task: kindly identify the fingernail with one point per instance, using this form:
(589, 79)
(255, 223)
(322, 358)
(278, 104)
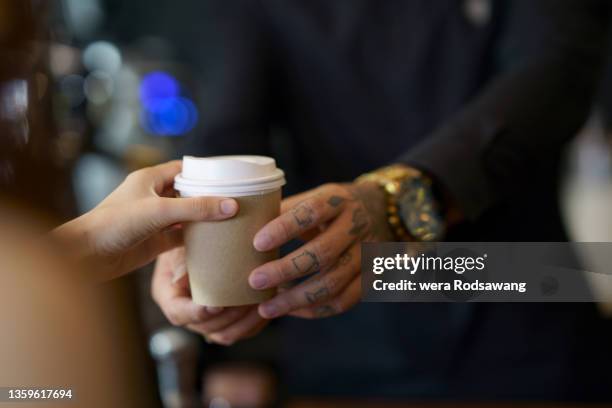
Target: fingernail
(214, 309)
(269, 310)
(262, 242)
(228, 207)
(258, 280)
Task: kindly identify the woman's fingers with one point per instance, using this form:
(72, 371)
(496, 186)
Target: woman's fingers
(155, 214)
(163, 175)
(317, 254)
(155, 179)
(154, 211)
(168, 265)
(317, 208)
(346, 300)
(178, 308)
(181, 311)
(319, 288)
(172, 294)
(249, 325)
(163, 212)
(220, 321)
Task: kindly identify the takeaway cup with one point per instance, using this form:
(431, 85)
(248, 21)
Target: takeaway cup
(220, 254)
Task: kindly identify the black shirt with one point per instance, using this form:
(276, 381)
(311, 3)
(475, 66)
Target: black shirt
(337, 88)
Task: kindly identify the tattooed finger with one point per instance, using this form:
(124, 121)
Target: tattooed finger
(315, 209)
(321, 252)
(344, 301)
(317, 289)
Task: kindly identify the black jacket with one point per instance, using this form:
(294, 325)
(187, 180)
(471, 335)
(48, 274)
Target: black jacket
(483, 102)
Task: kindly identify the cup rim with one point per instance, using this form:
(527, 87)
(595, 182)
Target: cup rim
(236, 187)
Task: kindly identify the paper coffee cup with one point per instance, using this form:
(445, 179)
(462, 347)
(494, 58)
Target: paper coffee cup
(220, 254)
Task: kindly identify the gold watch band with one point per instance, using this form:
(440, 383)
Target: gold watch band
(390, 179)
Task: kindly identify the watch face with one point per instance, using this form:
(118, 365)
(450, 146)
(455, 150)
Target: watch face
(419, 211)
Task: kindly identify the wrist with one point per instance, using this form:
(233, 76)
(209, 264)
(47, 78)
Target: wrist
(413, 210)
(74, 239)
(374, 201)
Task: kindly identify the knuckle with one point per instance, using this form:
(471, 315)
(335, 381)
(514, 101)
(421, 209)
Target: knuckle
(323, 253)
(140, 175)
(330, 187)
(173, 316)
(133, 176)
(283, 271)
(332, 283)
(290, 301)
(202, 208)
(199, 315)
(162, 206)
(284, 229)
(337, 307)
(317, 207)
(158, 207)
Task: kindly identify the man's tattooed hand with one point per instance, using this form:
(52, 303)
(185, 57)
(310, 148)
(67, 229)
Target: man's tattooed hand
(333, 220)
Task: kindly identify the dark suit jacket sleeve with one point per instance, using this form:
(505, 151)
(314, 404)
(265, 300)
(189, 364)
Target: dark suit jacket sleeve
(233, 71)
(554, 51)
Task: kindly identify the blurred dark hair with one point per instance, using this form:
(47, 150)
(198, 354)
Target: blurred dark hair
(30, 170)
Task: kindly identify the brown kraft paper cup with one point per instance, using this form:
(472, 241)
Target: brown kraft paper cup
(220, 254)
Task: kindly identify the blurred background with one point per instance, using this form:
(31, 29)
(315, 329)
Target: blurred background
(117, 86)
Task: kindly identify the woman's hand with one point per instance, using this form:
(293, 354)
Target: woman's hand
(333, 219)
(137, 222)
(170, 289)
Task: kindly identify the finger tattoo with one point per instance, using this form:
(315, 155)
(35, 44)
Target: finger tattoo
(314, 297)
(324, 311)
(335, 201)
(306, 262)
(344, 259)
(303, 215)
(360, 221)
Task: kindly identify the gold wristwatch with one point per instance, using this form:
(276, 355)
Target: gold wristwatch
(413, 213)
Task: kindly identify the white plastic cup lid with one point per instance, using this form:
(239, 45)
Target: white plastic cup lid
(232, 176)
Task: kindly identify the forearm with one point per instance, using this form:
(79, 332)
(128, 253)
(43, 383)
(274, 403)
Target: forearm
(73, 237)
(524, 117)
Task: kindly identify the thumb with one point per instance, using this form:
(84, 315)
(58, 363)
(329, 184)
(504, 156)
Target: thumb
(168, 211)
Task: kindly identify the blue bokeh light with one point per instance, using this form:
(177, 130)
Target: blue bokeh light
(165, 112)
(156, 85)
(169, 116)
